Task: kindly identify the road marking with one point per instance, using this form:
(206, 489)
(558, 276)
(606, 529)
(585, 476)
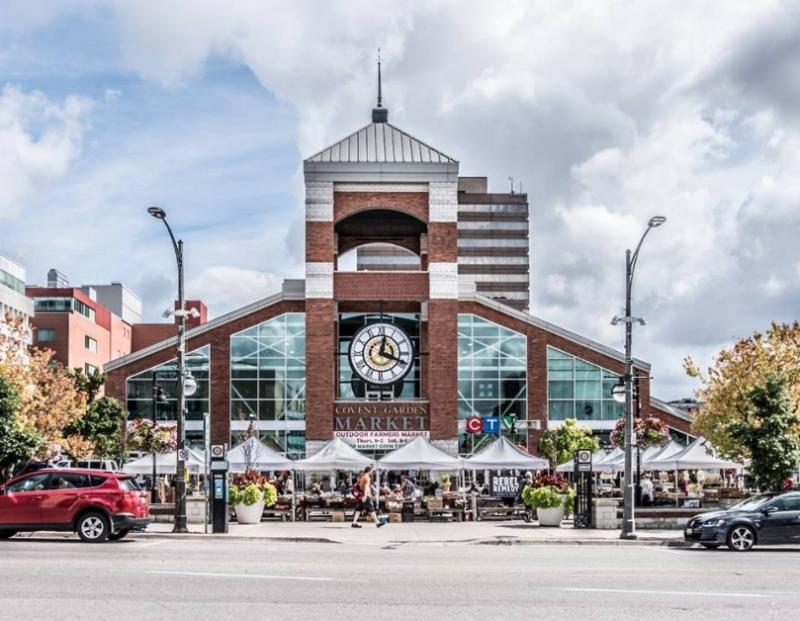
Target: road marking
(153, 543)
(655, 592)
(212, 574)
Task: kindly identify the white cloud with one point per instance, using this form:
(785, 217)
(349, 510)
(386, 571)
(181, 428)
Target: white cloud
(223, 286)
(39, 139)
(608, 114)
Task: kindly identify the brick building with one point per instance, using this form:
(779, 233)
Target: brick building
(381, 356)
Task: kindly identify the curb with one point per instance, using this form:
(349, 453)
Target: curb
(488, 542)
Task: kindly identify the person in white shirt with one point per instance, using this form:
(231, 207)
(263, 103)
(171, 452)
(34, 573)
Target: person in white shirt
(648, 490)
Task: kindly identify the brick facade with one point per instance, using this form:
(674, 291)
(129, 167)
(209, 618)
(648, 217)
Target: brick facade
(412, 203)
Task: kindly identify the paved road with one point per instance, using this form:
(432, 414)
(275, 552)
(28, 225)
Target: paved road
(244, 580)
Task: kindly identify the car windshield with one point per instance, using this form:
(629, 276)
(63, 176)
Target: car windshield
(749, 504)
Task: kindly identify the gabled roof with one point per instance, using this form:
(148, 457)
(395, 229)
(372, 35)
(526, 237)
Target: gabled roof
(381, 143)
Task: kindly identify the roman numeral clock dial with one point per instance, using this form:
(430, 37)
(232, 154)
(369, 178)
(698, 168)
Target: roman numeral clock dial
(381, 353)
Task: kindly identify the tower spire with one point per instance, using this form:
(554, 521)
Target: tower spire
(379, 113)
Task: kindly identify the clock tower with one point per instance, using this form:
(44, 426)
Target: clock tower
(381, 342)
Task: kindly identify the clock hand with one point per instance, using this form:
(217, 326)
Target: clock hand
(382, 350)
(393, 357)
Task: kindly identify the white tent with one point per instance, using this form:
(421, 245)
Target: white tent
(335, 455)
(611, 462)
(569, 466)
(663, 452)
(262, 457)
(419, 454)
(699, 455)
(502, 454)
(166, 463)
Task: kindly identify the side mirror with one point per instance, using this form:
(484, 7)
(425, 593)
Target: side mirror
(769, 510)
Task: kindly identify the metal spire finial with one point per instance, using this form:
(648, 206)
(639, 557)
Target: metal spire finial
(379, 113)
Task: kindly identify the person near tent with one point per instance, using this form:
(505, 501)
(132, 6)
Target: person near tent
(648, 490)
(363, 492)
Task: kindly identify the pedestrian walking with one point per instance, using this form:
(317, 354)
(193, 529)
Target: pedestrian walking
(362, 491)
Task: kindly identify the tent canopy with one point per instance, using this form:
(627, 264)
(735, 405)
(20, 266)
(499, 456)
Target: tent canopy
(502, 454)
(261, 456)
(335, 455)
(419, 454)
(663, 452)
(166, 463)
(611, 462)
(699, 455)
(569, 466)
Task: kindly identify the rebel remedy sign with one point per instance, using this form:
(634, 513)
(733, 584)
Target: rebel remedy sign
(380, 425)
(503, 486)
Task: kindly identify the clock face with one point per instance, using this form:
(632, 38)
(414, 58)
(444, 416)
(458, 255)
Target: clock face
(381, 353)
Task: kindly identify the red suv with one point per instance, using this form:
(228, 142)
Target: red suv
(96, 504)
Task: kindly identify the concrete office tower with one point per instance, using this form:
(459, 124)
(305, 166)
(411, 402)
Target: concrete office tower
(493, 245)
(13, 301)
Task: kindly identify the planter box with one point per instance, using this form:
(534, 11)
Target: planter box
(251, 514)
(550, 517)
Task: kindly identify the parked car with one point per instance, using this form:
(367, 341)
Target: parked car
(96, 504)
(92, 464)
(760, 520)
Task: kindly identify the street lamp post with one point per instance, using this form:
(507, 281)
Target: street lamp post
(628, 520)
(158, 397)
(180, 474)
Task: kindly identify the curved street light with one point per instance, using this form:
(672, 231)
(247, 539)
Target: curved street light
(628, 519)
(180, 474)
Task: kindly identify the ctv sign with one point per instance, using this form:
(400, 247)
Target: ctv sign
(487, 424)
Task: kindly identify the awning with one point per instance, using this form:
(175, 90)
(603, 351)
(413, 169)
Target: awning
(419, 454)
(261, 457)
(503, 455)
(166, 463)
(335, 455)
(699, 455)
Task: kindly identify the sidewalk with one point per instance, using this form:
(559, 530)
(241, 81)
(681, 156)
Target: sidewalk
(465, 533)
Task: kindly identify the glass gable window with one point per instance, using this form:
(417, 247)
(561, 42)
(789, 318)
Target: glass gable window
(268, 380)
(140, 392)
(579, 389)
(492, 377)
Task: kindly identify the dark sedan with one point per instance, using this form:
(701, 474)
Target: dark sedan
(764, 519)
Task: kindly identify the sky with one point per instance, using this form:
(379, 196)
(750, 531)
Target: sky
(607, 113)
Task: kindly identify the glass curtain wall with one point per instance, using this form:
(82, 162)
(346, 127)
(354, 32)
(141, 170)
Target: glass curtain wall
(268, 383)
(578, 389)
(492, 379)
(139, 399)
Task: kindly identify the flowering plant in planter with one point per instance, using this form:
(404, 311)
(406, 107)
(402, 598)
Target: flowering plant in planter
(251, 487)
(552, 480)
(650, 431)
(149, 438)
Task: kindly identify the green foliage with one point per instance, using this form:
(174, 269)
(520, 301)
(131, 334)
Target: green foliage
(249, 487)
(89, 384)
(102, 425)
(542, 497)
(17, 445)
(251, 495)
(767, 431)
(234, 496)
(270, 495)
(559, 444)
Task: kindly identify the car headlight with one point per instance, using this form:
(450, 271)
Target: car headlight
(715, 523)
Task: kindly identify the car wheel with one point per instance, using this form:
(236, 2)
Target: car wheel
(119, 534)
(93, 527)
(7, 534)
(741, 538)
(710, 546)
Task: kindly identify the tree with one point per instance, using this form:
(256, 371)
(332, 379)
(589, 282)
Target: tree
(89, 384)
(735, 371)
(49, 398)
(102, 425)
(559, 444)
(767, 430)
(17, 445)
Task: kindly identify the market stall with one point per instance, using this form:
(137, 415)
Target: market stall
(420, 454)
(166, 464)
(700, 456)
(335, 455)
(569, 466)
(502, 455)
